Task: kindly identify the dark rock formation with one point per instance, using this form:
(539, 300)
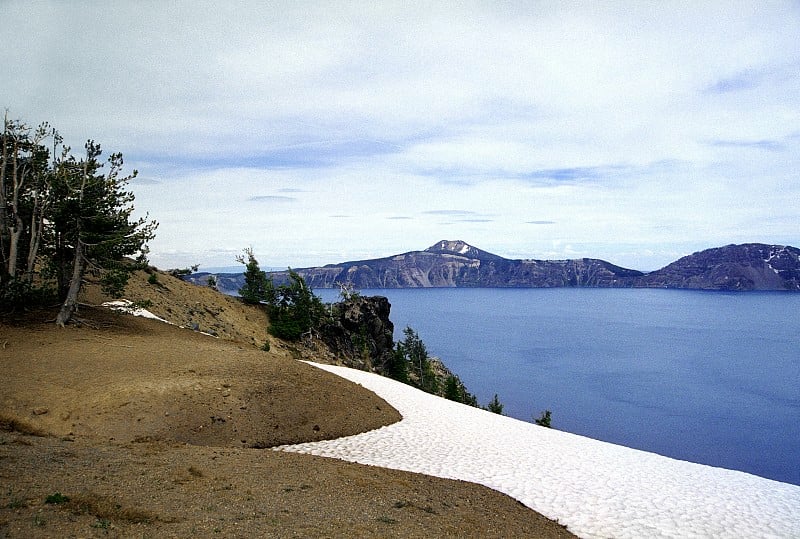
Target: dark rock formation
(360, 334)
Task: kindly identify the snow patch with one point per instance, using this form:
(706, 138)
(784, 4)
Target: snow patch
(128, 307)
(596, 489)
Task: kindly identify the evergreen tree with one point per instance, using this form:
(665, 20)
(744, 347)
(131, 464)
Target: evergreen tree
(25, 197)
(93, 224)
(257, 287)
(455, 390)
(397, 366)
(413, 351)
(544, 419)
(62, 219)
(294, 310)
(495, 406)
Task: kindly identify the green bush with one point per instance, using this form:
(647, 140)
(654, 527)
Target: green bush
(495, 406)
(544, 419)
(56, 498)
(257, 288)
(455, 390)
(293, 309)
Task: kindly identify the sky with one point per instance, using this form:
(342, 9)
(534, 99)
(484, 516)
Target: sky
(323, 132)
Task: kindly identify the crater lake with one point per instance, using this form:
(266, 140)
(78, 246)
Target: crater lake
(708, 377)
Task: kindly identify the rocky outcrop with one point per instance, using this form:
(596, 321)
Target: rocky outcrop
(360, 334)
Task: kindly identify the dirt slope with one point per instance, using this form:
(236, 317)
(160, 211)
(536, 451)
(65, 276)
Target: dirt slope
(155, 431)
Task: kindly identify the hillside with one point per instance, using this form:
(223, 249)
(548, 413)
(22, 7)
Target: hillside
(152, 429)
(458, 264)
(752, 266)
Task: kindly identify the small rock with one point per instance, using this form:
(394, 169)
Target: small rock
(40, 410)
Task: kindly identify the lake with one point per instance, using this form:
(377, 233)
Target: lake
(708, 377)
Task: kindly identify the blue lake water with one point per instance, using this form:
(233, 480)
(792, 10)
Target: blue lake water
(708, 377)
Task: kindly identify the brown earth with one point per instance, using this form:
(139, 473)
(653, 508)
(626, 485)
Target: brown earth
(151, 430)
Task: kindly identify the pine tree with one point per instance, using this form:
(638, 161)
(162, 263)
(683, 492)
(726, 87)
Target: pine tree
(257, 288)
(294, 310)
(544, 419)
(94, 224)
(495, 406)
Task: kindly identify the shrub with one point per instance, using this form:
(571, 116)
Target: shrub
(56, 498)
(412, 353)
(455, 390)
(544, 419)
(257, 287)
(293, 309)
(495, 406)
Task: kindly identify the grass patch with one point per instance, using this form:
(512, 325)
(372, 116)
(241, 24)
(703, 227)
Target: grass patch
(56, 498)
(17, 503)
(102, 523)
(107, 510)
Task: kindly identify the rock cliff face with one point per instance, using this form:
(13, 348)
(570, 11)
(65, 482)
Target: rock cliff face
(361, 334)
(457, 264)
(751, 266)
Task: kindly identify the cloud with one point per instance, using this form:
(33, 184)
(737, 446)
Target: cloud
(272, 198)
(769, 145)
(575, 173)
(449, 212)
(744, 80)
(597, 116)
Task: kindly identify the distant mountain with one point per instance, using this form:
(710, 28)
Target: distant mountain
(457, 264)
(752, 266)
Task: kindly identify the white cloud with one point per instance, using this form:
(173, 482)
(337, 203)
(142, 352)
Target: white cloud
(635, 129)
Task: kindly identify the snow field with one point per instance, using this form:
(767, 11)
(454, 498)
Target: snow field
(596, 489)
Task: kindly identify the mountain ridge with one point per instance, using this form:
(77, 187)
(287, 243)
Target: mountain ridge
(447, 263)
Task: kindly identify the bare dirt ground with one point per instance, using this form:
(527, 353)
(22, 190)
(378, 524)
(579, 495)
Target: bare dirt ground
(135, 428)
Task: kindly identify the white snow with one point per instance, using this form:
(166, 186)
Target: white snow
(595, 488)
(127, 306)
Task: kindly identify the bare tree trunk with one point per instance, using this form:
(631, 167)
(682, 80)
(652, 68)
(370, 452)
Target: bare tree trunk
(33, 249)
(15, 231)
(70, 304)
(3, 202)
(16, 234)
(37, 229)
(79, 265)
